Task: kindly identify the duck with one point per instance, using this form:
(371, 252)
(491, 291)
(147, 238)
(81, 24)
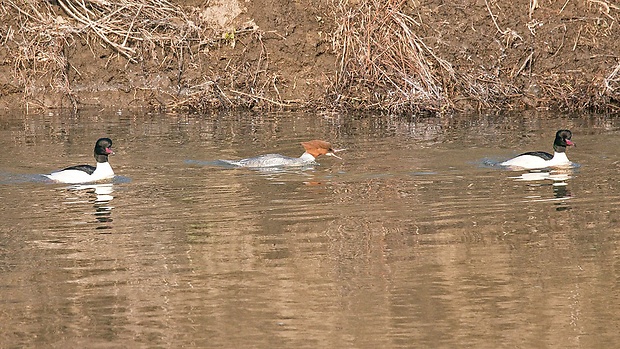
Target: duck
(87, 173)
(313, 149)
(540, 159)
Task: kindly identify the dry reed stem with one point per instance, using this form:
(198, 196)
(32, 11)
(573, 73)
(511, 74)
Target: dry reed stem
(122, 23)
(387, 65)
(612, 79)
(371, 59)
(384, 63)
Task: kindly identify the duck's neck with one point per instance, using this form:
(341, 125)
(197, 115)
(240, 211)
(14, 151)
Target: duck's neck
(103, 170)
(559, 158)
(101, 158)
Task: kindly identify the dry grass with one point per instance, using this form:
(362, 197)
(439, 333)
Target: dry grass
(128, 27)
(612, 82)
(246, 83)
(384, 59)
(138, 31)
(385, 64)
(38, 46)
(381, 61)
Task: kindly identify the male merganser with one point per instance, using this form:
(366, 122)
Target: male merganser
(541, 159)
(314, 149)
(87, 173)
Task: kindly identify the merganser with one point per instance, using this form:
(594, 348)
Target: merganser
(314, 149)
(541, 159)
(87, 173)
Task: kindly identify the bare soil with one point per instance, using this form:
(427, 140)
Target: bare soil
(479, 55)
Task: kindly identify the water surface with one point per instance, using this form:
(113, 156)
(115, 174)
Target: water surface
(414, 239)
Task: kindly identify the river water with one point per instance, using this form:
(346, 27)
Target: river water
(414, 239)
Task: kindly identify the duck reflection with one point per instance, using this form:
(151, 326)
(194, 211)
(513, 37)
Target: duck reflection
(561, 191)
(557, 179)
(100, 196)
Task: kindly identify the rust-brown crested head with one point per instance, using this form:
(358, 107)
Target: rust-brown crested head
(317, 147)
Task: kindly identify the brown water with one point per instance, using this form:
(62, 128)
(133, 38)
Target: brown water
(414, 239)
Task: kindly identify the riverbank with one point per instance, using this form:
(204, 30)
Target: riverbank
(396, 56)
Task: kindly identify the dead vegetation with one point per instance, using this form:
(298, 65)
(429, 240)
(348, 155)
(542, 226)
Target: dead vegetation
(385, 62)
(155, 32)
(45, 30)
(382, 62)
(396, 55)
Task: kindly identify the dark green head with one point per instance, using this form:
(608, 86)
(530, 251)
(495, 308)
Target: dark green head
(103, 148)
(562, 140)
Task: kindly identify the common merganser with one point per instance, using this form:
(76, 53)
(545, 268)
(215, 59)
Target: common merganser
(541, 159)
(314, 149)
(88, 173)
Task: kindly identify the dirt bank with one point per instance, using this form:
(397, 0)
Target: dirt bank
(399, 56)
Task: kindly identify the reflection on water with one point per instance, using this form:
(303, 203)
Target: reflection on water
(412, 239)
(555, 179)
(542, 175)
(562, 193)
(97, 195)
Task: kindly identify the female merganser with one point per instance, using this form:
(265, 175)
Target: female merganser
(541, 159)
(87, 173)
(314, 149)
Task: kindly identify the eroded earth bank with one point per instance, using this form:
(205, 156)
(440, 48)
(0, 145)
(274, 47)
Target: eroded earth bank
(397, 56)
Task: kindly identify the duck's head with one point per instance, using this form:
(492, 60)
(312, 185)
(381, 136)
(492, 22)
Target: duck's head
(318, 147)
(103, 148)
(562, 140)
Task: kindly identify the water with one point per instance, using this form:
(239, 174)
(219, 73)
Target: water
(414, 239)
